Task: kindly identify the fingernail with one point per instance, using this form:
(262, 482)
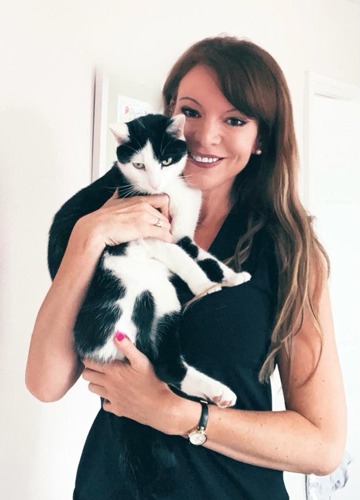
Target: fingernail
(120, 336)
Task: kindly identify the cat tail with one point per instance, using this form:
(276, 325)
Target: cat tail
(145, 461)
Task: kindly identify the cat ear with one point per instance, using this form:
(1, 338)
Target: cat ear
(177, 126)
(121, 132)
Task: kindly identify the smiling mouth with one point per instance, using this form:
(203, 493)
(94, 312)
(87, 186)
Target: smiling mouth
(204, 161)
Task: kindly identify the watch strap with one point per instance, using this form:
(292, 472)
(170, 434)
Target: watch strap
(204, 415)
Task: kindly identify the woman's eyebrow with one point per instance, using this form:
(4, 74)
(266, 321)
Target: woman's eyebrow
(232, 110)
(190, 99)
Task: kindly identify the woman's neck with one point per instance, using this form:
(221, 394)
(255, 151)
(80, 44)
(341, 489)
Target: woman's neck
(214, 210)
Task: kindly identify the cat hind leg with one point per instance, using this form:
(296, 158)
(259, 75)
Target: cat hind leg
(171, 368)
(196, 383)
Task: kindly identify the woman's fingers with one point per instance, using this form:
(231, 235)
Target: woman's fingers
(149, 214)
(136, 358)
(93, 366)
(161, 203)
(99, 390)
(154, 225)
(129, 389)
(127, 219)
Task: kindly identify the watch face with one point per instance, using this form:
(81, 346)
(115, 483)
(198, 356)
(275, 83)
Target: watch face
(197, 438)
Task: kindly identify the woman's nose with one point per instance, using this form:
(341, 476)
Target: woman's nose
(206, 132)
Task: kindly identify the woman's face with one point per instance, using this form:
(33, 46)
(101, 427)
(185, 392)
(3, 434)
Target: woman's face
(220, 138)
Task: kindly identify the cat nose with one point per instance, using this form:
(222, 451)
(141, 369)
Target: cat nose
(155, 185)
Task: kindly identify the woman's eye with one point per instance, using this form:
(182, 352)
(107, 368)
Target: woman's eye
(235, 122)
(139, 166)
(167, 162)
(189, 112)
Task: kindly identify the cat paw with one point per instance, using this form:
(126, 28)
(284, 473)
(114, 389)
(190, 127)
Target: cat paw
(225, 398)
(237, 279)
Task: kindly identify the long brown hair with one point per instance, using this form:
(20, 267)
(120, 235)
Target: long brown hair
(252, 81)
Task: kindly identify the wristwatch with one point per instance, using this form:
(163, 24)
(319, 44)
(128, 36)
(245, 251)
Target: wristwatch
(198, 436)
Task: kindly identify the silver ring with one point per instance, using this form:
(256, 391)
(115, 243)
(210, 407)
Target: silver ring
(157, 223)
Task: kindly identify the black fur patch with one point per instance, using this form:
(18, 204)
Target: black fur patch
(143, 317)
(189, 247)
(212, 270)
(99, 313)
(83, 202)
(169, 365)
(117, 249)
(152, 128)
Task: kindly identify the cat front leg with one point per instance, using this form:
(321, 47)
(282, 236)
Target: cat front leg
(216, 270)
(183, 265)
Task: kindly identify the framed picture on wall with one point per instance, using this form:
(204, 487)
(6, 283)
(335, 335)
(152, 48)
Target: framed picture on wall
(116, 99)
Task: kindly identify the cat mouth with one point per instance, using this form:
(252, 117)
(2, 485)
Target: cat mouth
(204, 161)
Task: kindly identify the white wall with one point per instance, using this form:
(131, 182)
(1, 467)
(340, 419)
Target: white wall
(48, 53)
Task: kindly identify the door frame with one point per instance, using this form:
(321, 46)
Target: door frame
(316, 85)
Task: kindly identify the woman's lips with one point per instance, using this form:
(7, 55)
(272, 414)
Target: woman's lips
(204, 161)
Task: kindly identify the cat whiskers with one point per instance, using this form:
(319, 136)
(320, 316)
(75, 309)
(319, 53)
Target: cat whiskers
(140, 147)
(161, 145)
(162, 151)
(111, 189)
(128, 190)
(188, 176)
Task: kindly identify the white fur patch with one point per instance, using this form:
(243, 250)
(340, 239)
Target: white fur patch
(153, 179)
(198, 384)
(138, 272)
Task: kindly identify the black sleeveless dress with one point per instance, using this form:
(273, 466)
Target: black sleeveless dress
(226, 335)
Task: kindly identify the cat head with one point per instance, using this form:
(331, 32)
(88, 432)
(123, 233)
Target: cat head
(151, 151)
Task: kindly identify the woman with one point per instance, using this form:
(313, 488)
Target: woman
(243, 157)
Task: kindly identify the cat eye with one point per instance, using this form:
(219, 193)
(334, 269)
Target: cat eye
(167, 162)
(139, 166)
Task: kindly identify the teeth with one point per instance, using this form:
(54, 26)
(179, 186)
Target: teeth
(203, 159)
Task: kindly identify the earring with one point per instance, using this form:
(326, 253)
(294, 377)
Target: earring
(258, 152)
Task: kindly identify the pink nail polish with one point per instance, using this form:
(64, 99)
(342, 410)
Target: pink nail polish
(120, 336)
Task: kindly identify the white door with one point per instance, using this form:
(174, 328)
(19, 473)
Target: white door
(334, 198)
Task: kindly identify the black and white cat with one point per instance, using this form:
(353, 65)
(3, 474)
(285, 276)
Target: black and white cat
(132, 290)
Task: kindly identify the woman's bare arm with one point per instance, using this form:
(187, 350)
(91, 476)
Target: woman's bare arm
(53, 366)
(307, 437)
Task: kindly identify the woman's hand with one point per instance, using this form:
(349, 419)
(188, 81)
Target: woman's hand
(121, 220)
(117, 221)
(131, 389)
